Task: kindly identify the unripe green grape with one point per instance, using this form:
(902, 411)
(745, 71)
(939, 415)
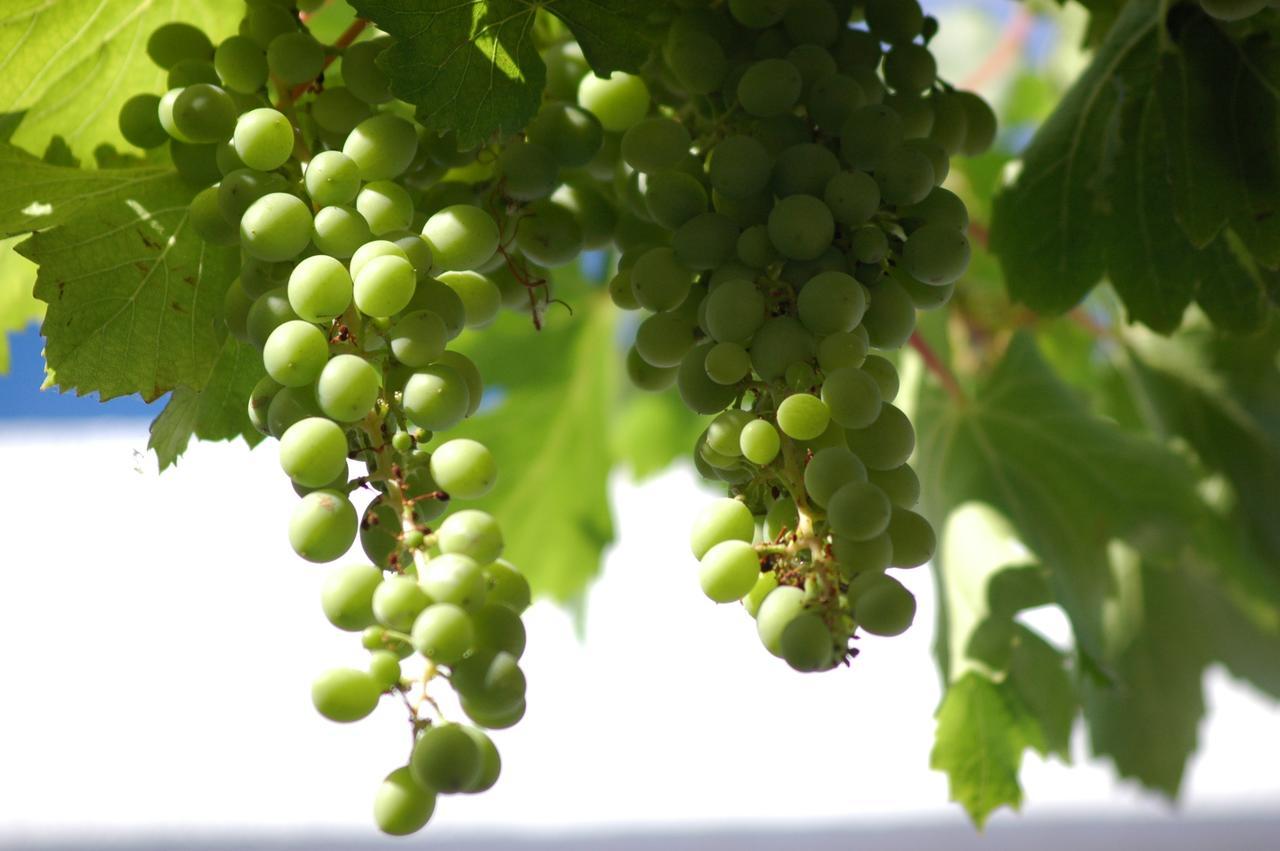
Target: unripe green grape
(493, 684)
(832, 99)
(910, 68)
(727, 363)
(739, 167)
(374, 249)
(697, 390)
(806, 643)
(743, 212)
(454, 578)
(494, 719)
(260, 398)
(696, 60)
(313, 452)
(923, 296)
(655, 144)
(346, 596)
(765, 583)
(721, 520)
(950, 122)
(288, 406)
(900, 484)
(905, 176)
(332, 178)
(436, 397)
(490, 762)
(361, 73)
(376, 638)
(619, 101)
(842, 349)
(831, 302)
(672, 198)
(323, 526)
(347, 388)
(241, 64)
(481, 299)
(935, 254)
(801, 227)
(319, 289)
(813, 62)
(894, 21)
(446, 759)
(402, 806)
(916, 114)
(276, 227)
(569, 133)
(506, 586)
(499, 630)
(207, 219)
(778, 609)
(263, 139)
(418, 338)
(723, 432)
(443, 633)
(891, 316)
(471, 533)
(386, 206)
(340, 231)
(528, 170)
(398, 601)
(381, 534)
(295, 57)
(886, 443)
(853, 397)
(260, 277)
(862, 557)
(464, 468)
(384, 285)
(718, 460)
(829, 470)
(338, 111)
(803, 169)
(858, 511)
(195, 164)
(769, 87)
(659, 280)
(172, 42)
(295, 352)
(885, 375)
(885, 607)
(384, 667)
(241, 187)
(728, 571)
(758, 14)
(870, 133)
(646, 376)
(754, 248)
(759, 442)
(381, 146)
(868, 244)
(591, 209)
(139, 122)
(780, 342)
(203, 113)
(913, 538)
(942, 207)
(461, 236)
(345, 694)
(549, 234)
(164, 114)
(857, 48)
(735, 311)
(189, 72)
(664, 339)
(802, 416)
(470, 373)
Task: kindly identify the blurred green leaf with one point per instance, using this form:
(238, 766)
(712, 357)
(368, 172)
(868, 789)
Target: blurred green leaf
(651, 430)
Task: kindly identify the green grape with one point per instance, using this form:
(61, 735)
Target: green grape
(471, 533)
(196, 164)
(832, 99)
(295, 352)
(345, 694)
(203, 113)
(727, 363)
(619, 101)
(464, 468)
(923, 296)
(950, 122)
(461, 236)
(869, 134)
(885, 607)
(655, 144)
(801, 227)
(374, 248)
(172, 42)
(264, 21)
(735, 311)
(858, 510)
(259, 277)
(806, 644)
(209, 223)
(852, 396)
(313, 452)
(549, 234)
(386, 206)
(140, 122)
(803, 169)
(591, 209)
(490, 762)
(645, 375)
(672, 198)
(384, 667)
(466, 368)
(506, 586)
(571, 134)
(769, 87)
(402, 805)
(337, 111)
(361, 73)
(241, 64)
(739, 167)
(377, 638)
(696, 61)
(319, 289)
(852, 196)
(380, 534)
(491, 683)
(565, 67)
(935, 254)
(384, 285)
(723, 433)
(416, 250)
(759, 442)
(857, 49)
(728, 571)
(937, 157)
(894, 21)
(295, 57)
(721, 520)
(260, 398)
(869, 556)
(398, 601)
(780, 342)
(765, 583)
(340, 231)
(664, 339)
(813, 62)
(886, 443)
(381, 146)
(829, 470)
(269, 311)
(699, 393)
(798, 272)
(446, 758)
(241, 187)
(890, 317)
(917, 121)
(481, 299)
(323, 526)
(659, 281)
(418, 338)
(347, 388)
(900, 484)
(276, 227)
(347, 596)
(868, 244)
(910, 68)
(528, 170)
(778, 609)
(802, 416)
(941, 207)
(263, 139)
(454, 578)
(842, 349)
(754, 248)
(191, 71)
(288, 406)
(913, 539)
(443, 633)
(436, 397)
(743, 212)
(905, 176)
(885, 375)
(831, 302)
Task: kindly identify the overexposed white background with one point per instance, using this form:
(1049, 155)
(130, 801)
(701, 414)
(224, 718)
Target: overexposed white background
(158, 639)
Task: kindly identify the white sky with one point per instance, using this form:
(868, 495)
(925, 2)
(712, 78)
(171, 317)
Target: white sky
(158, 639)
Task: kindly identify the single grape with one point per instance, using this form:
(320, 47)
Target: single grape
(470, 373)
(295, 57)
(172, 42)
(443, 633)
(464, 468)
(769, 87)
(195, 164)
(347, 388)
(885, 607)
(829, 470)
(319, 289)
(727, 363)
(782, 516)
(646, 376)
(481, 299)
(739, 167)
(490, 762)
(801, 227)
(382, 146)
(806, 644)
(471, 533)
(506, 586)
(891, 315)
(780, 342)
(323, 526)
(347, 596)
(619, 101)
(728, 571)
(454, 578)
(313, 452)
(345, 694)
(723, 433)
(332, 178)
(288, 406)
(831, 302)
(802, 416)
(338, 111)
(384, 285)
(913, 539)
(362, 74)
(887, 442)
(843, 349)
(446, 759)
(655, 144)
(241, 187)
(950, 122)
(697, 390)
(384, 667)
(664, 339)
(832, 99)
(398, 601)
(852, 396)
(696, 60)
(402, 805)
(659, 281)
(276, 227)
(804, 169)
(759, 442)
(490, 682)
(885, 375)
(263, 139)
(869, 134)
(778, 609)
(721, 520)
(592, 210)
(858, 511)
(499, 630)
(370, 250)
(735, 311)
(209, 223)
(140, 122)
(570, 133)
(549, 234)
(436, 397)
(203, 113)
(461, 236)
(894, 21)
(935, 254)
(857, 557)
(528, 170)
(418, 338)
(260, 398)
(295, 353)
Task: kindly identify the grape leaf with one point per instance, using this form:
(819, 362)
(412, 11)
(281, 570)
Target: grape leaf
(549, 429)
(1067, 481)
(36, 195)
(133, 293)
(1038, 674)
(69, 65)
(18, 306)
(983, 729)
(651, 430)
(217, 411)
(473, 67)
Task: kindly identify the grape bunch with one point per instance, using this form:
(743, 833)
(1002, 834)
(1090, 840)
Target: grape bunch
(797, 188)
(360, 266)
